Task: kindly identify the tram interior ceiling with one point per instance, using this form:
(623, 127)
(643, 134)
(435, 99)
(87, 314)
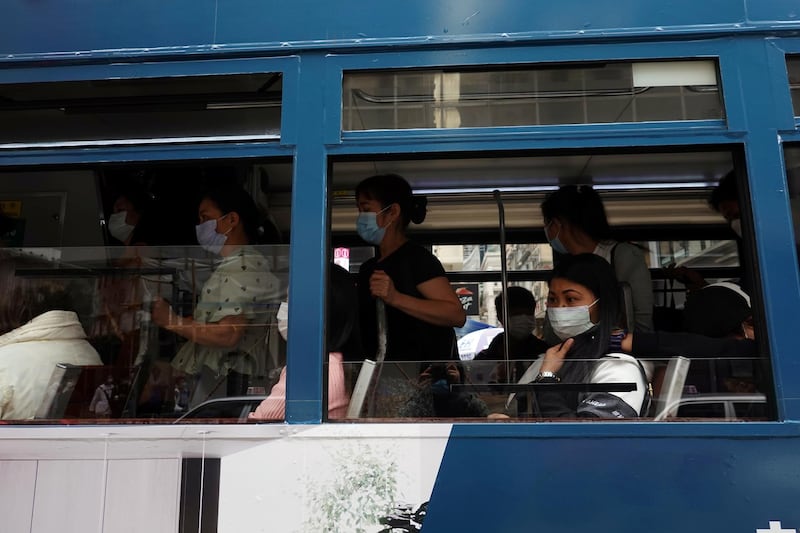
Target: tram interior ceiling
(644, 191)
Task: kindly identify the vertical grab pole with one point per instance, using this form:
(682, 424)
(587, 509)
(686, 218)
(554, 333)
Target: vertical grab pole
(380, 311)
(501, 213)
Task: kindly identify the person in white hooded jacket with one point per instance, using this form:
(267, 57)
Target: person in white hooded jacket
(30, 353)
(36, 333)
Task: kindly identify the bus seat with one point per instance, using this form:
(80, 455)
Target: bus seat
(666, 405)
(361, 389)
(59, 391)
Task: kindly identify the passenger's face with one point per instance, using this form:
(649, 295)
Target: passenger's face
(566, 293)
(208, 210)
(552, 229)
(123, 204)
(368, 205)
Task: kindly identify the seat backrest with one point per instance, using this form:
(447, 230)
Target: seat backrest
(666, 404)
(626, 304)
(59, 391)
(361, 389)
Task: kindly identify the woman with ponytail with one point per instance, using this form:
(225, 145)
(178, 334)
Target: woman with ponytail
(421, 307)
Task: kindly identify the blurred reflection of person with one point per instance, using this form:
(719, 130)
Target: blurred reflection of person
(523, 344)
(103, 397)
(38, 330)
(436, 399)
(228, 330)
(342, 322)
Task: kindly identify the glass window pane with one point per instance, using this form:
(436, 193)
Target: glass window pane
(147, 110)
(793, 67)
(792, 154)
(118, 345)
(531, 95)
(658, 208)
(126, 318)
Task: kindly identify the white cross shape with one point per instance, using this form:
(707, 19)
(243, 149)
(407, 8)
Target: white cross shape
(775, 527)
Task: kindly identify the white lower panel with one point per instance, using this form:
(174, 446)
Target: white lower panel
(17, 483)
(68, 497)
(143, 495)
(329, 477)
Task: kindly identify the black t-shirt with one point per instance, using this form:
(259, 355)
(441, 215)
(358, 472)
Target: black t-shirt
(407, 338)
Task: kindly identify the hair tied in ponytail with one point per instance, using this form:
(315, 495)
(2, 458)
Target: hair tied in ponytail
(419, 209)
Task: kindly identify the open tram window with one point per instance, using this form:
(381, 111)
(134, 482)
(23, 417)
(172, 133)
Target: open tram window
(141, 111)
(157, 286)
(656, 202)
(585, 93)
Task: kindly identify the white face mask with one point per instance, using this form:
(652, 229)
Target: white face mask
(208, 238)
(117, 226)
(736, 226)
(283, 320)
(520, 326)
(568, 322)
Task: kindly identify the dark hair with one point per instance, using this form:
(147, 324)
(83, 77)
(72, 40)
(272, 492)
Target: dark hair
(597, 275)
(716, 310)
(7, 224)
(26, 297)
(388, 189)
(518, 298)
(581, 207)
(166, 223)
(725, 191)
(235, 199)
(136, 195)
(342, 308)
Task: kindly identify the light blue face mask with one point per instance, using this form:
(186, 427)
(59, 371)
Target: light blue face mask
(555, 242)
(367, 226)
(208, 238)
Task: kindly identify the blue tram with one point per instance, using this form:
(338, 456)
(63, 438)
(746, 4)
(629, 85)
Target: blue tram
(651, 103)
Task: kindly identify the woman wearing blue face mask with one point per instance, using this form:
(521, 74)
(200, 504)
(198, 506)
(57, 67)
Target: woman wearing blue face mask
(575, 223)
(421, 306)
(229, 326)
(582, 305)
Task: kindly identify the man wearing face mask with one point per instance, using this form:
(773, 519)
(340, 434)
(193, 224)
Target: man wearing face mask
(125, 215)
(523, 344)
(724, 200)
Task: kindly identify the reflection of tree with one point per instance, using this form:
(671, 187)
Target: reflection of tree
(363, 489)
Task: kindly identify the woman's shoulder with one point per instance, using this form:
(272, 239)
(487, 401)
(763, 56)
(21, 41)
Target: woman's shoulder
(416, 253)
(617, 367)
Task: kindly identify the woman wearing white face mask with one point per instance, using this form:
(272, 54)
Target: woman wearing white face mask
(229, 326)
(582, 305)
